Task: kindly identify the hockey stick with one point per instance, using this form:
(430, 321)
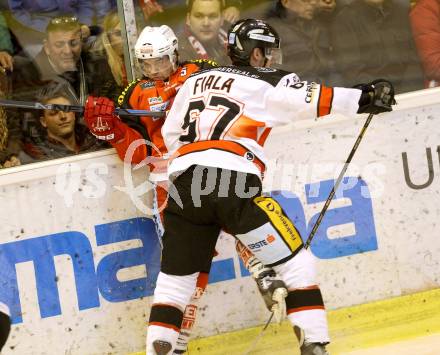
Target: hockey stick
(260, 335)
(338, 181)
(76, 108)
(323, 211)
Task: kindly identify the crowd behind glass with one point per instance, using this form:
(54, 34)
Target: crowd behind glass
(60, 52)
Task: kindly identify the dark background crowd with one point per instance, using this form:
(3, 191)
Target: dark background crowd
(62, 51)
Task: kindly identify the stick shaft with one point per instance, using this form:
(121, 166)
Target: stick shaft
(338, 181)
(75, 108)
(258, 337)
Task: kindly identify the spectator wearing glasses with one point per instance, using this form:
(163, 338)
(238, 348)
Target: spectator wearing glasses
(61, 59)
(31, 18)
(203, 36)
(61, 133)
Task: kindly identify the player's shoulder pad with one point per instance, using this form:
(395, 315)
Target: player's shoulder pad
(274, 76)
(271, 76)
(125, 95)
(203, 63)
(290, 80)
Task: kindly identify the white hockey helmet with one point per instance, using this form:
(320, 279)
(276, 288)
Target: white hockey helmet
(156, 42)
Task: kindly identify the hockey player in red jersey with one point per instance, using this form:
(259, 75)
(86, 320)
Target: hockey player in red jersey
(215, 134)
(157, 52)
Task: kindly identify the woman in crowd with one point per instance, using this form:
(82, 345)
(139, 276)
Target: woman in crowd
(107, 59)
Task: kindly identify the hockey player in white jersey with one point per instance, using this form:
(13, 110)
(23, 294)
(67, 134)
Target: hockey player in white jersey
(215, 134)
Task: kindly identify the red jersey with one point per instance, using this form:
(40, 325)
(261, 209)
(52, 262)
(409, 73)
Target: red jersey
(151, 95)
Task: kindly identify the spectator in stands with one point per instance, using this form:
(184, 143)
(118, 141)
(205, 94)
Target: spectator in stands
(324, 16)
(425, 22)
(6, 46)
(325, 11)
(10, 139)
(31, 19)
(107, 59)
(231, 12)
(203, 36)
(10, 130)
(61, 135)
(306, 48)
(102, 8)
(61, 59)
(372, 39)
(149, 8)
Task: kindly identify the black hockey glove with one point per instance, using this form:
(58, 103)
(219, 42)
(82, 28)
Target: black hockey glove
(377, 97)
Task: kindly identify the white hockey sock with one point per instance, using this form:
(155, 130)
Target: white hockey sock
(314, 324)
(171, 296)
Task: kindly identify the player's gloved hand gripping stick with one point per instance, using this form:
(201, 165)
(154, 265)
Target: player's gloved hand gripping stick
(377, 97)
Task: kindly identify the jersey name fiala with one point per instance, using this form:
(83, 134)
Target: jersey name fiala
(214, 82)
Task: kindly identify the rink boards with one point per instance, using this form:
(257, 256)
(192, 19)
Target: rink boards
(79, 258)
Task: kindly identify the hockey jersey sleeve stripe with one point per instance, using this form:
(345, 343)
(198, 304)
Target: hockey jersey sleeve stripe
(325, 100)
(264, 136)
(228, 146)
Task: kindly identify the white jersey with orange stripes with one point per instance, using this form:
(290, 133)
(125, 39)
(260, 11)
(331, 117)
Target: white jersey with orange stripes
(221, 117)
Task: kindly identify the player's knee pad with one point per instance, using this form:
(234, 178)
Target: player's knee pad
(276, 240)
(175, 290)
(299, 271)
(5, 328)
